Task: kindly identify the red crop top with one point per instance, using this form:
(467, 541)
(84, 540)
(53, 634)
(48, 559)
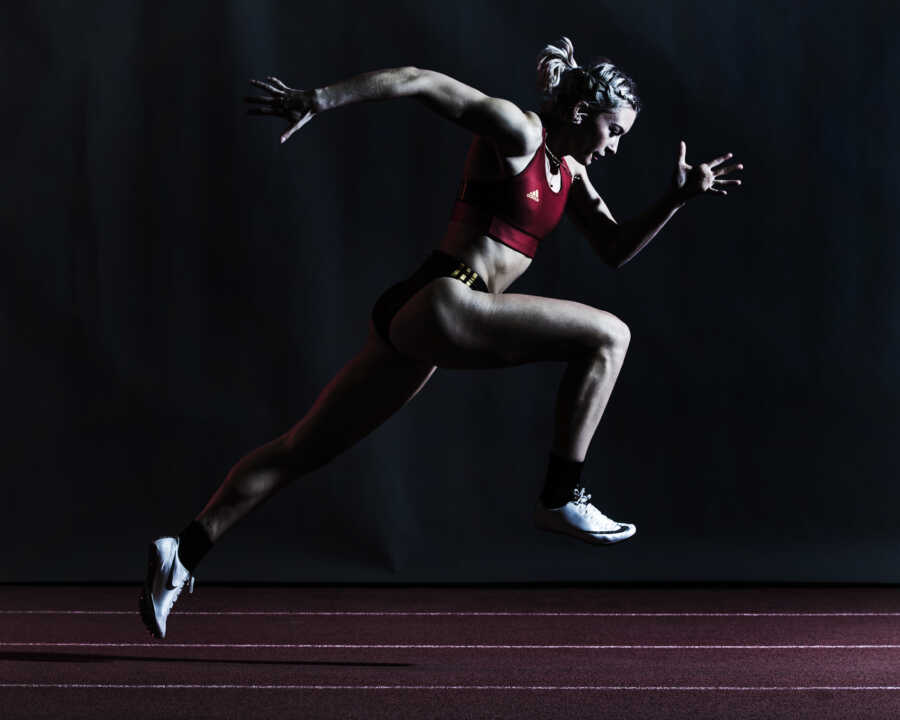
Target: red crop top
(518, 210)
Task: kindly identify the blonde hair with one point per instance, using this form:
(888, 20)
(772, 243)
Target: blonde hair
(602, 85)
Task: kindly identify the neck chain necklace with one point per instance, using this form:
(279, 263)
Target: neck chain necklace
(555, 161)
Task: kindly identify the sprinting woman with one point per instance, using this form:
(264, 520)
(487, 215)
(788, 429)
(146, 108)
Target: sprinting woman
(523, 171)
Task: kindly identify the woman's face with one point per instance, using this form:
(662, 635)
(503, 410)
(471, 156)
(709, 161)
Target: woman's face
(601, 132)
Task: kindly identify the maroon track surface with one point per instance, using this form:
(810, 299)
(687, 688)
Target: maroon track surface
(453, 653)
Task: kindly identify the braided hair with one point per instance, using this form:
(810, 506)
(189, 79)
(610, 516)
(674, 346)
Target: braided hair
(563, 82)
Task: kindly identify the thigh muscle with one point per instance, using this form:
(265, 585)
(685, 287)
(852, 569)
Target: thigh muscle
(449, 325)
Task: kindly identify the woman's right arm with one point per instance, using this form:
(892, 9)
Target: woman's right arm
(301, 106)
(513, 131)
(366, 87)
(499, 119)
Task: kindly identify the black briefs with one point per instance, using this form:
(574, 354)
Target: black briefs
(438, 264)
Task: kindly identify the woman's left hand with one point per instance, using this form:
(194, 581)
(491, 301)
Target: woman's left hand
(691, 180)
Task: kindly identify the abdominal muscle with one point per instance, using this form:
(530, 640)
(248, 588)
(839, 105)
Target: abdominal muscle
(497, 264)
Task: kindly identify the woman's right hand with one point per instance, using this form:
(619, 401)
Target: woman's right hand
(298, 106)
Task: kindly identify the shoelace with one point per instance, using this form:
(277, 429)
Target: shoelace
(581, 499)
(582, 505)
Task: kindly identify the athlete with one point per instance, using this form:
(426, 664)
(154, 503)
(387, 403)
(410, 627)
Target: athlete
(523, 171)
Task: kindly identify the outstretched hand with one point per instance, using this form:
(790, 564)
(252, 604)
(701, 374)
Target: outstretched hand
(691, 180)
(298, 106)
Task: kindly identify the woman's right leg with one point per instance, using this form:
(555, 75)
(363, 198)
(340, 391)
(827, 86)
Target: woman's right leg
(449, 325)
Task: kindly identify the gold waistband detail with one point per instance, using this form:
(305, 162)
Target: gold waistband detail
(465, 273)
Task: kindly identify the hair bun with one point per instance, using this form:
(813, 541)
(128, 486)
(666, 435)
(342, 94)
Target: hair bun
(601, 84)
(554, 62)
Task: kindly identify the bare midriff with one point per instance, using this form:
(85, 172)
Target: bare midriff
(497, 264)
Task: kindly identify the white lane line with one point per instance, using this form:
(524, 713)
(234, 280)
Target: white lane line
(460, 614)
(418, 646)
(640, 688)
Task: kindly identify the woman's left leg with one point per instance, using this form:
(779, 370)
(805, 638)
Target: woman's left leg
(364, 394)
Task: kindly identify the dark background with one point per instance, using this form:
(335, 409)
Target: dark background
(178, 287)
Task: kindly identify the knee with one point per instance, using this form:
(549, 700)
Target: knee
(614, 337)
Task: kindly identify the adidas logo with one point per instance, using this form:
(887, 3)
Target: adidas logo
(533, 195)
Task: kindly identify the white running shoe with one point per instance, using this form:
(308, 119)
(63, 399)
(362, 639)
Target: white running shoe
(166, 576)
(582, 520)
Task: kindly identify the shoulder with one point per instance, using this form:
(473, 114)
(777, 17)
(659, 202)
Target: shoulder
(534, 132)
(534, 121)
(521, 138)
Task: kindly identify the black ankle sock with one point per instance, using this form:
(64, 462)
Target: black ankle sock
(563, 475)
(193, 544)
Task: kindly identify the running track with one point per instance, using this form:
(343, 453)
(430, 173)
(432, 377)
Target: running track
(454, 652)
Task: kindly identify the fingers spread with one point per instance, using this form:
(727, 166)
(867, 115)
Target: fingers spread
(266, 86)
(719, 160)
(299, 124)
(290, 132)
(259, 100)
(730, 168)
(276, 81)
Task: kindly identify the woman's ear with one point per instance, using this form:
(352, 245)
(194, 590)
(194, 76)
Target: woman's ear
(579, 110)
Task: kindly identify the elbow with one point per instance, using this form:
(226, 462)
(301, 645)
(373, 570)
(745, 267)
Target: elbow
(610, 257)
(416, 79)
(606, 257)
(614, 256)
(414, 73)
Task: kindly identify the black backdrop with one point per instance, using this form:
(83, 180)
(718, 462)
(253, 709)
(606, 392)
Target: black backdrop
(178, 287)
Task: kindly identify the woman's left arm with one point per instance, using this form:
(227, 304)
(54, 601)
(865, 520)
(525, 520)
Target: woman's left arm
(688, 182)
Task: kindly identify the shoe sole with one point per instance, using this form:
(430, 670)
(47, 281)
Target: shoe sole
(586, 536)
(145, 601)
